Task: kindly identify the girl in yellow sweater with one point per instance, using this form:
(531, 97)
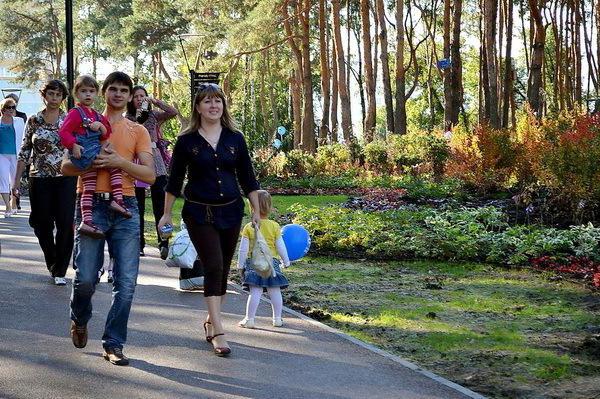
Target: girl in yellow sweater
(251, 280)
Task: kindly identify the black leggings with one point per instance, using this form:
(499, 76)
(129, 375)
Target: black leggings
(215, 248)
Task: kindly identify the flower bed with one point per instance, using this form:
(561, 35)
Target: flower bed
(481, 234)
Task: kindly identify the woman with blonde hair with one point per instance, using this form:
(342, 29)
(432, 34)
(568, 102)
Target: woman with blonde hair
(214, 156)
(11, 136)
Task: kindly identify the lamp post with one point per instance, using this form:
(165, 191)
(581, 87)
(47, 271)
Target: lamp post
(69, 38)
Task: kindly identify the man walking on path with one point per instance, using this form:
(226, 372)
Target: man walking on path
(127, 142)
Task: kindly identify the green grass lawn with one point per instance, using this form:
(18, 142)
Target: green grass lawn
(503, 332)
(507, 333)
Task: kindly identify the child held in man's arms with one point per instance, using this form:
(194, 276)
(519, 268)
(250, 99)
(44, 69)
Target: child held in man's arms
(84, 133)
(251, 280)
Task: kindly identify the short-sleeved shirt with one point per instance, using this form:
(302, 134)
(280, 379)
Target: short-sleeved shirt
(269, 229)
(41, 146)
(129, 139)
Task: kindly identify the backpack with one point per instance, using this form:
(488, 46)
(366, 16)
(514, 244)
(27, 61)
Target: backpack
(262, 259)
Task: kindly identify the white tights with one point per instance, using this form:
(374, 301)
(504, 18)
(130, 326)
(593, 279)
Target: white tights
(254, 300)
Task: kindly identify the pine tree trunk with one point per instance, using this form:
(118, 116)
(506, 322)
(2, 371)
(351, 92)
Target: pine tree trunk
(308, 117)
(400, 117)
(508, 70)
(334, 92)
(578, 56)
(325, 78)
(448, 99)
(456, 81)
(369, 124)
(589, 54)
(385, 67)
(296, 91)
(534, 83)
(342, 78)
(489, 27)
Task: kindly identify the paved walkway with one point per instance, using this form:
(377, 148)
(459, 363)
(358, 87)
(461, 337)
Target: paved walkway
(169, 358)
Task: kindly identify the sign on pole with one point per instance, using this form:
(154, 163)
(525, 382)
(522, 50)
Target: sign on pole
(444, 63)
(197, 78)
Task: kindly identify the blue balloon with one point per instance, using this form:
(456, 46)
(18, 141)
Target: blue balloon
(296, 239)
(281, 130)
(277, 143)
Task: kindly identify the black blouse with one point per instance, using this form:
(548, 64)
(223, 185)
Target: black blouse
(214, 177)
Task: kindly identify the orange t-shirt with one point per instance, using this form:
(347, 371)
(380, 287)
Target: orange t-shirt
(129, 139)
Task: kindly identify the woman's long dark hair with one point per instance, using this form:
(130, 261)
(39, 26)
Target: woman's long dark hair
(132, 112)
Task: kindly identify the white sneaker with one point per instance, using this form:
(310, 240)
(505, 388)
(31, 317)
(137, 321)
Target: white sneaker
(277, 322)
(60, 281)
(191, 284)
(246, 323)
(7, 214)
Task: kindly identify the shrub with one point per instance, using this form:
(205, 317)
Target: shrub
(480, 234)
(298, 163)
(484, 159)
(331, 159)
(376, 156)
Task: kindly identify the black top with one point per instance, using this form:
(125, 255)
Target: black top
(213, 177)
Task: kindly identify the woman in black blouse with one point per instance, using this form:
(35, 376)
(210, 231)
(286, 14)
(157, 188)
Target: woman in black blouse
(213, 155)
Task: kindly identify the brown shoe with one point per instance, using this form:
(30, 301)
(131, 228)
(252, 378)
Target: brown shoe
(120, 209)
(79, 335)
(115, 356)
(90, 231)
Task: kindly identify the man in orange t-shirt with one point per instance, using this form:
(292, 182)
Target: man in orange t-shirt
(128, 141)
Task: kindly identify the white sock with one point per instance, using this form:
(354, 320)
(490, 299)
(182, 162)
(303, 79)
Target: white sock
(276, 301)
(253, 301)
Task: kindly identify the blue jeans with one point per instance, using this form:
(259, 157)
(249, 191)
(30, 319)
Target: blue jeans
(123, 237)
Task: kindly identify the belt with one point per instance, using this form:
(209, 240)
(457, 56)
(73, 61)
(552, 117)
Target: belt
(103, 196)
(209, 212)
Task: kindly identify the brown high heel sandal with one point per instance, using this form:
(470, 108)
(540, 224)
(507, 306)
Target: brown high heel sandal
(221, 351)
(208, 337)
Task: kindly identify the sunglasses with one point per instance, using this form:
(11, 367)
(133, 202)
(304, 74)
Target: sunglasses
(205, 86)
(9, 107)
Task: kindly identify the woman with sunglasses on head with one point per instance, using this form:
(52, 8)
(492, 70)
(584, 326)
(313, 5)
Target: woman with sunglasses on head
(51, 195)
(139, 109)
(11, 136)
(214, 157)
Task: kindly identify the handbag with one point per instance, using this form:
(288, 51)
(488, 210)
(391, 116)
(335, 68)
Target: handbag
(163, 147)
(182, 253)
(262, 259)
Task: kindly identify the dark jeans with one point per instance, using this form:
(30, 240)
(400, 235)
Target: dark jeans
(157, 195)
(53, 207)
(215, 248)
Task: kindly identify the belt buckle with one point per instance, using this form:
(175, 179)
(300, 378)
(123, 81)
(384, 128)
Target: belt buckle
(103, 196)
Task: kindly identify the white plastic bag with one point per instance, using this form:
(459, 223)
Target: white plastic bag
(262, 259)
(182, 253)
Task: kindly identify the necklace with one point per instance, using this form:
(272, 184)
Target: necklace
(212, 142)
